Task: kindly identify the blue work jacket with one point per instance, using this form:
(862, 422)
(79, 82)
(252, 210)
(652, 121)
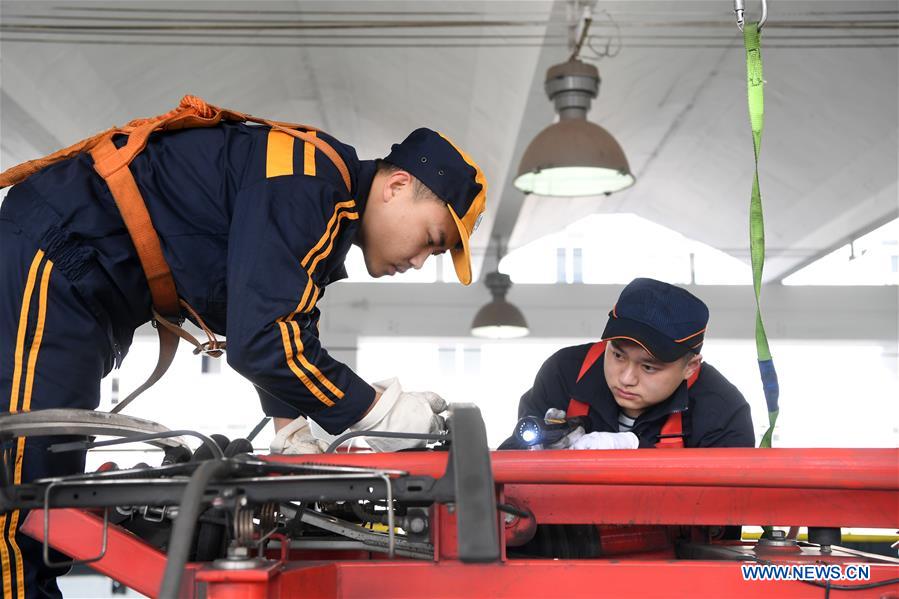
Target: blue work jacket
(253, 223)
(715, 414)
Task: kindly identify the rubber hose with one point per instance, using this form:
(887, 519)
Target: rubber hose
(183, 529)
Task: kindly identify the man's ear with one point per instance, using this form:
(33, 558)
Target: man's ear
(396, 182)
(692, 366)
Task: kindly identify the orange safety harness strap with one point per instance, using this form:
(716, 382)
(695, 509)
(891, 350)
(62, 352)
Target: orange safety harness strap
(111, 163)
(672, 434)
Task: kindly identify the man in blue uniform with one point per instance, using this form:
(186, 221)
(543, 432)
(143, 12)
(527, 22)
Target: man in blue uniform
(644, 384)
(253, 224)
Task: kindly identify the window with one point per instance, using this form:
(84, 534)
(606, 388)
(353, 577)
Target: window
(561, 276)
(602, 251)
(577, 265)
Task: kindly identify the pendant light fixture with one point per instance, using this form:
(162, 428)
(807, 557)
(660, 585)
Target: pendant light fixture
(499, 319)
(573, 157)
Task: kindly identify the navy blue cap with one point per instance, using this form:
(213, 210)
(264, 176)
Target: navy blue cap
(665, 320)
(454, 177)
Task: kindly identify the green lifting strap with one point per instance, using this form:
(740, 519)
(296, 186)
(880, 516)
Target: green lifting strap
(756, 95)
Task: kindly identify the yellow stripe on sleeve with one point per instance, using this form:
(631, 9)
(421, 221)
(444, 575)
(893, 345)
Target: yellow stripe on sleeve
(291, 363)
(310, 366)
(309, 156)
(279, 154)
(330, 246)
(300, 307)
(328, 230)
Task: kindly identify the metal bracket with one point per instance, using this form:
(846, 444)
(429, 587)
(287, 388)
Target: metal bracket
(46, 540)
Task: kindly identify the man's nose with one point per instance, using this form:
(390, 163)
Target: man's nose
(418, 261)
(629, 375)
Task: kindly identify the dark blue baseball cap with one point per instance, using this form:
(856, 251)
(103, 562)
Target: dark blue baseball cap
(454, 177)
(665, 320)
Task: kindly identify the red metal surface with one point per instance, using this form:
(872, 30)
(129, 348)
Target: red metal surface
(128, 559)
(687, 487)
(710, 467)
(669, 504)
(258, 583)
(625, 540)
(522, 579)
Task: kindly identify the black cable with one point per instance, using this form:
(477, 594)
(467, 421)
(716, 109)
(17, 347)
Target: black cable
(185, 523)
(851, 587)
(388, 435)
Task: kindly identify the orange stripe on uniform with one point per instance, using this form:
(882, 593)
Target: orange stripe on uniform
(5, 565)
(301, 307)
(309, 156)
(330, 246)
(291, 363)
(310, 366)
(278, 154)
(26, 406)
(327, 234)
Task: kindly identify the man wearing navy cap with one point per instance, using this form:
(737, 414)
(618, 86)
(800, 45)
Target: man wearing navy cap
(253, 222)
(644, 384)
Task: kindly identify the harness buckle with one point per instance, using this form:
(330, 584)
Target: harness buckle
(213, 349)
(739, 11)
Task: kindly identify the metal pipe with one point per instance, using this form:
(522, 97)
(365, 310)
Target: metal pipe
(731, 467)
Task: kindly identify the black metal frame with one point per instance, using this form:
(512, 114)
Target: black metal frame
(467, 482)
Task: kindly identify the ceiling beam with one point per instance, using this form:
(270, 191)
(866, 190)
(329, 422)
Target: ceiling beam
(876, 224)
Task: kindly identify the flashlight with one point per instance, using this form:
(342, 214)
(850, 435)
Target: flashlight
(535, 433)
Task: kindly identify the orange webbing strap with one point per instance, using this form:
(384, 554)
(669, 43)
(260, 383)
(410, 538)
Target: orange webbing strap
(191, 112)
(20, 172)
(672, 434)
(575, 407)
(137, 220)
(149, 251)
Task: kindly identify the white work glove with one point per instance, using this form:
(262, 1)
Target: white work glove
(296, 438)
(402, 412)
(607, 441)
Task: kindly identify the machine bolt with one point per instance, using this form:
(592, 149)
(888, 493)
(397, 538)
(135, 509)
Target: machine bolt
(417, 525)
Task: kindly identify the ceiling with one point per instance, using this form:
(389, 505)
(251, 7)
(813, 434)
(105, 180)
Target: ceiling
(369, 72)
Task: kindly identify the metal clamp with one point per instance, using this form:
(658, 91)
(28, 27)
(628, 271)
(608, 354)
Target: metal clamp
(739, 12)
(46, 543)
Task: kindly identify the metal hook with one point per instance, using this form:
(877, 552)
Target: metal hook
(739, 10)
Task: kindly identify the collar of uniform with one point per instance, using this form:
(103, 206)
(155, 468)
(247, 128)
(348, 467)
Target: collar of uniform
(367, 169)
(594, 391)
(676, 403)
